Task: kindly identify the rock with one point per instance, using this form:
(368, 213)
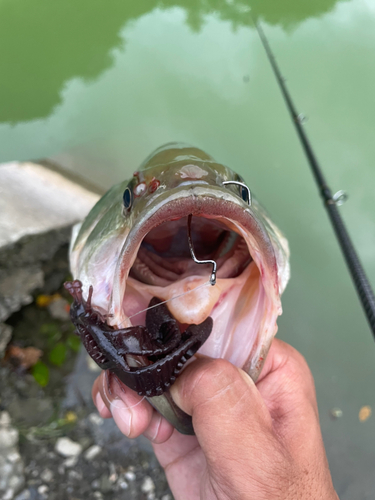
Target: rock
(105, 483)
(38, 208)
(8, 495)
(34, 473)
(130, 475)
(8, 438)
(43, 491)
(35, 199)
(95, 419)
(5, 336)
(92, 452)
(46, 476)
(67, 448)
(123, 484)
(112, 472)
(70, 462)
(95, 484)
(14, 457)
(16, 286)
(11, 466)
(73, 475)
(4, 419)
(148, 485)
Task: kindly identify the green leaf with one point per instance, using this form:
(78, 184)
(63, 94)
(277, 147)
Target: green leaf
(52, 332)
(74, 342)
(49, 329)
(40, 373)
(58, 354)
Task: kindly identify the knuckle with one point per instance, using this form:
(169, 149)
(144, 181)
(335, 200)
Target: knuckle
(213, 377)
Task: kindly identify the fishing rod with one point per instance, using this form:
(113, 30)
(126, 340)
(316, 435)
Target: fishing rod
(331, 202)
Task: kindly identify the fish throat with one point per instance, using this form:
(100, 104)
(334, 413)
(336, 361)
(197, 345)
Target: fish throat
(164, 256)
(179, 256)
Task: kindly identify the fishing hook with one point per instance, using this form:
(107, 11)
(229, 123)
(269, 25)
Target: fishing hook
(244, 186)
(197, 261)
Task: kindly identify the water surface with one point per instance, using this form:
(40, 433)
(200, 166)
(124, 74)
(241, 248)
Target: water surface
(98, 88)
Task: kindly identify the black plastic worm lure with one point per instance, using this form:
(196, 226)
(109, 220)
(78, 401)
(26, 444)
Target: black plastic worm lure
(163, 348)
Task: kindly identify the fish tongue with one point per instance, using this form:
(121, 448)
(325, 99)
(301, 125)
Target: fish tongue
(195, 306)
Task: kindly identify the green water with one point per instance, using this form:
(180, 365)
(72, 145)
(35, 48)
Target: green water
(97, 85)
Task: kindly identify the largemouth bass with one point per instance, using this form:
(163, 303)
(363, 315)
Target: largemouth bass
(132, 252)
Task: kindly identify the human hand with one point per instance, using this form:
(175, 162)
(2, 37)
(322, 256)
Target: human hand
(252, 441)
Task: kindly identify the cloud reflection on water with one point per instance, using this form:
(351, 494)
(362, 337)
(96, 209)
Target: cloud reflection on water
(45, 44)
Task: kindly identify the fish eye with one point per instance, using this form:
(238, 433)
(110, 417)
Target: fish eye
(128, 198)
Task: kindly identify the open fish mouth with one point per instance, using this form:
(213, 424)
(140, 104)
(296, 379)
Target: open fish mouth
(164, 256)
(139, 252)
(155, 261)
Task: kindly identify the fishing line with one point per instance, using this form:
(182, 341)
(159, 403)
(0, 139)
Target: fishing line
(116, 401)
(211, 281)
(331, 202)
(172, 298)
(107, 381)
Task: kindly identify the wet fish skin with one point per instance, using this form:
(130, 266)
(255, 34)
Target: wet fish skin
(172, 182)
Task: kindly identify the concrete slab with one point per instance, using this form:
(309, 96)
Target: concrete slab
(38, 207)
(34, 200)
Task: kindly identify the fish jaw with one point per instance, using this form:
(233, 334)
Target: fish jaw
(175, 181)
(244, 308)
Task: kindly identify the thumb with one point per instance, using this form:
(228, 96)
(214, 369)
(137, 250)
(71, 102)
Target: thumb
(227, 410)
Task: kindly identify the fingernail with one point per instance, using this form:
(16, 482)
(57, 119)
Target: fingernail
(99, 403)
(122, 415)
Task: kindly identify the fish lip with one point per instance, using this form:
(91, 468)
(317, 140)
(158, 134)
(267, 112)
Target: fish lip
(199, 200)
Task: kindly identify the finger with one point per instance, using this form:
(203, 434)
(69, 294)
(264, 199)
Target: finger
(280, 354)
(287, 388)
(159, 429)
(184, 465)
(207, 381)
(276, 426)
(177, 448)
(286, 382)
(98, 401)
(217, 395)
(131, 412)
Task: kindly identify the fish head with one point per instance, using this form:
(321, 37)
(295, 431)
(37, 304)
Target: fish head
(134, 246)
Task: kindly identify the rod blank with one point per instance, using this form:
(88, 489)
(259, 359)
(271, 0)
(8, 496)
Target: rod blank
(356, 270)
